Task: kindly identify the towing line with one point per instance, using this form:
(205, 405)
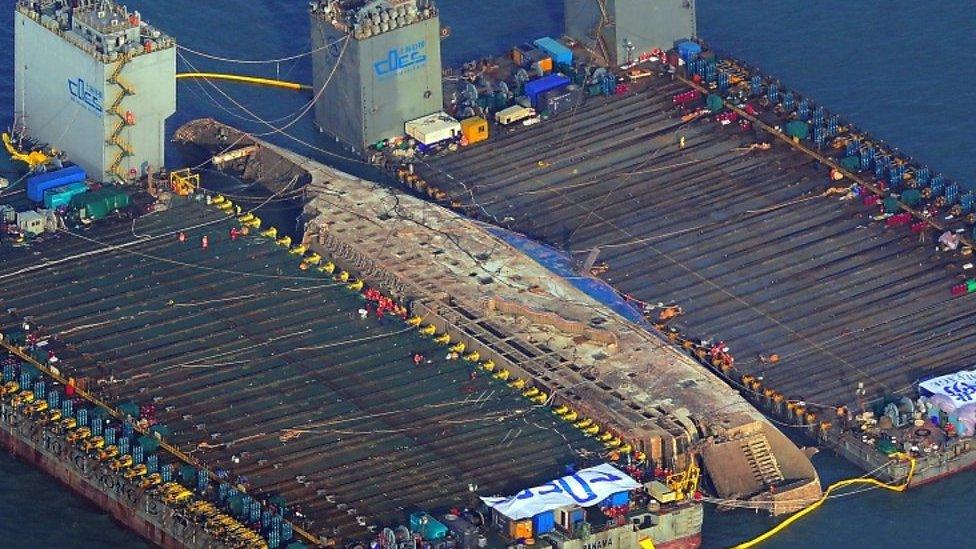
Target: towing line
(246, 79)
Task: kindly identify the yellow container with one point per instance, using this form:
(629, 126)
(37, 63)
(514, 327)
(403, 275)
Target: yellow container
(474, 129)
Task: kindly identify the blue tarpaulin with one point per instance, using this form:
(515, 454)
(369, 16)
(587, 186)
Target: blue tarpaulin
(562, 265)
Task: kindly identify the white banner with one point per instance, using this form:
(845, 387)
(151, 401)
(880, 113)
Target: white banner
(586, 488)
(960, 386)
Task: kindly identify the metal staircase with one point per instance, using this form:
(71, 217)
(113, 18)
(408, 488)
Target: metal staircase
(761, 460)
(124, 119)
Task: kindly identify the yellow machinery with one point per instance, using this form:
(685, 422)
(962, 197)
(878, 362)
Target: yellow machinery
(685, 483)
(32, 159)
(184, 182)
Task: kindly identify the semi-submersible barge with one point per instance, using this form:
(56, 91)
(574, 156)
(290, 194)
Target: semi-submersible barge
(819, 271)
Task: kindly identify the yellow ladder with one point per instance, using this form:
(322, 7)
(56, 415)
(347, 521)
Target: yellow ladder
(115, 138)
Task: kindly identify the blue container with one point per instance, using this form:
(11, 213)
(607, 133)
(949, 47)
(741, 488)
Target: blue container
(543, 522)
(577, 516)
(688, 50)
(560, 54)
(535, 88)
(61, 196)
(37, 184)
(427, 526)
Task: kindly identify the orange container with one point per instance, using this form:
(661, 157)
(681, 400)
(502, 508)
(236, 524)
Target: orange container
(545, 64)
(520, 529)
(474, 129)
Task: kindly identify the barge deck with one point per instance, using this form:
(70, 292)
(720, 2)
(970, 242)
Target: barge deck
(750, 243)
(268, 372)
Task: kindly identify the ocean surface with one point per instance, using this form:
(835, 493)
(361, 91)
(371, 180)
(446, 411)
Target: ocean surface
(900, 69)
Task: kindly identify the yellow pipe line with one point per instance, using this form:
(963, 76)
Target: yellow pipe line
(246, 79)
(813, 506)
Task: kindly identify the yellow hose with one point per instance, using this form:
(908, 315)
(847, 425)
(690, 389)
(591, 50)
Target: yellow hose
(813, 506)
(246, 79)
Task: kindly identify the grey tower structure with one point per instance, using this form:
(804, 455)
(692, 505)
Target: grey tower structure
(621, 30)
(382, 62)
(96, 82)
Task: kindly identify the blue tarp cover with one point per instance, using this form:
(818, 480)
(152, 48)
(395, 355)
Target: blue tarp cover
(562, 265)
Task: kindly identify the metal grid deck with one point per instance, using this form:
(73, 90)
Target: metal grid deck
(742, 240)
(238, 347)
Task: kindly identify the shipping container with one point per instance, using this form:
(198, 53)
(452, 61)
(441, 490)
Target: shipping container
(37, 184)
(474, 129)
(560, 54)
(535, 88)
(61, 196)
(433, 128)
(543, 522)
(558, 101)
(520, 529)
(513, 114)
(30, 222)
(427, 526)
(98, 204)
(543, 66)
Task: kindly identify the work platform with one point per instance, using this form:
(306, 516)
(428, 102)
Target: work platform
(744, 240)
(268, 371)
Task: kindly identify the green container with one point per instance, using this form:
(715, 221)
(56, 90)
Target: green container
(971, 285)
(851, 163)
(911, 197)
(149, 444)
(99, 204)
(891, 205)
(714, 103)
(798, 129)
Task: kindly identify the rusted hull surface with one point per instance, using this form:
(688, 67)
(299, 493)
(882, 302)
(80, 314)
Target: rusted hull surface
(129, 506)
(690, 542)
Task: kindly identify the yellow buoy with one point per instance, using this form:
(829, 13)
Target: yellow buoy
(428, 330)
(517, 384)
(218, 200)
(540, 398)
(327, 267)
(313, 259)
(457, 347)
(355, 285)
(414, 321)
(473, 356)
(298, 250)
(592, 430)
(530, 392)
(254, 223)
(561, 410)
(284, 242)
(246, 217)
(270, 233)
(605, 436)
(625, 449)
(443, 339)
(583, 423)
(571, 416)
(502, 375)
(488, 365)
(612, 443)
